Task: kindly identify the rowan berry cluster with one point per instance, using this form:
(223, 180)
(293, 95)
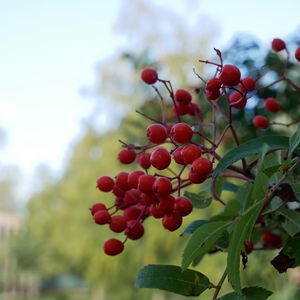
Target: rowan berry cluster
(179, 154)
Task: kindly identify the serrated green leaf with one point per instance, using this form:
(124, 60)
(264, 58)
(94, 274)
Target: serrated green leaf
(193, 226)
(249, 293)
(251, 147)
(199, 200)
(202, 241)
(292, 221)
(241, 229)
(173, 279)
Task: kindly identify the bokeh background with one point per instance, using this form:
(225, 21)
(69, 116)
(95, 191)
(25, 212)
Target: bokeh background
(69, 86)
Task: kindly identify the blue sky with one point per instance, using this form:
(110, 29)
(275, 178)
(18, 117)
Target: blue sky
(49, 50)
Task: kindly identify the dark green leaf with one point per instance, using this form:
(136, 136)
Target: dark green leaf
(296, 189)
(232, 208)
(199, 200)
(291, 249)
(202, 241)
(260, 187)
(294, 141)
(250, 293)
(193, 226)
(244, 195)
(242, 228)
(251, 147)
(173, 279)
(292, 221)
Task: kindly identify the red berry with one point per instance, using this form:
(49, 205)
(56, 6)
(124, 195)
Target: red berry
(260, 122)
(278, 45)
(126, 156)
(182, 96)
(105, 183)
(149, 76)
(118, 192)
(237, 100)
(183, 206)
(146, 183)
(132, 213)
(156, 212)
(144, 160)
(133, 178)
(132, 196)
(160, 158)
(181, 109)
(177, 155)
(190, 153)
(96, 207)
(149, 199)
(248, 247)
(297, 54)
(122, 181)
(181, 133)
(102, 217)
(113, 247)
(117, 224)
(157, 133)
(166, 204)
(172, 221)
(271, 240)
(202, 166)
(193, 109)
(162, 186)
(135, 230)
(212, 94)
(230, 75)
(213, 84)
(248, 83)
(196, 178)
(272, 104)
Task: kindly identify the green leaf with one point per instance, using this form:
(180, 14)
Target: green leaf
(260, 187)
(191, 228)
(232, 208)
(292, 221)
(251, 147)
(296, 189)
(173, 279)
(202, 240)
(291, 249)
(242, 228)
(244, 195)
(249, 293)
(294, 141)
(199, 200)
(230, 187)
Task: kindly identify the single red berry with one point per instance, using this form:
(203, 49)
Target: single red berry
(149, 198)
(196, 178)
(166, 204)
(190, 153)
(133, 178)
(132, 196)
(212, 94)
(118, 192)
(162, 186)
(272, 104)
(181, 133)
(157, 133)
(237, 100)
(260, 122)
(149, 75)
(297, 54)
(181, 109)
(202, 166)
(271, 240)
(177, 156)
(117, 224)
(248, 247)
(278, 45)
(230, 75)
(96, 207)
(183, 206)
(102, 217)
(247, 83)
(145, 184)
(182, 96)
(160, 158)
(144, 160)
(194, 109)
(172, 221)
(126, 156)
(132, 213)
(105, 183)
(122, 181)
(113, 247)
(156, 212)
(213, 84)
(135, 230)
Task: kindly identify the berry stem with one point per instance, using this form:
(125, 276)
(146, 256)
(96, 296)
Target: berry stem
(219, 285)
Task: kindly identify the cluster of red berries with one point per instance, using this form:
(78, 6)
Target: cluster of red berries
(139, 194)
